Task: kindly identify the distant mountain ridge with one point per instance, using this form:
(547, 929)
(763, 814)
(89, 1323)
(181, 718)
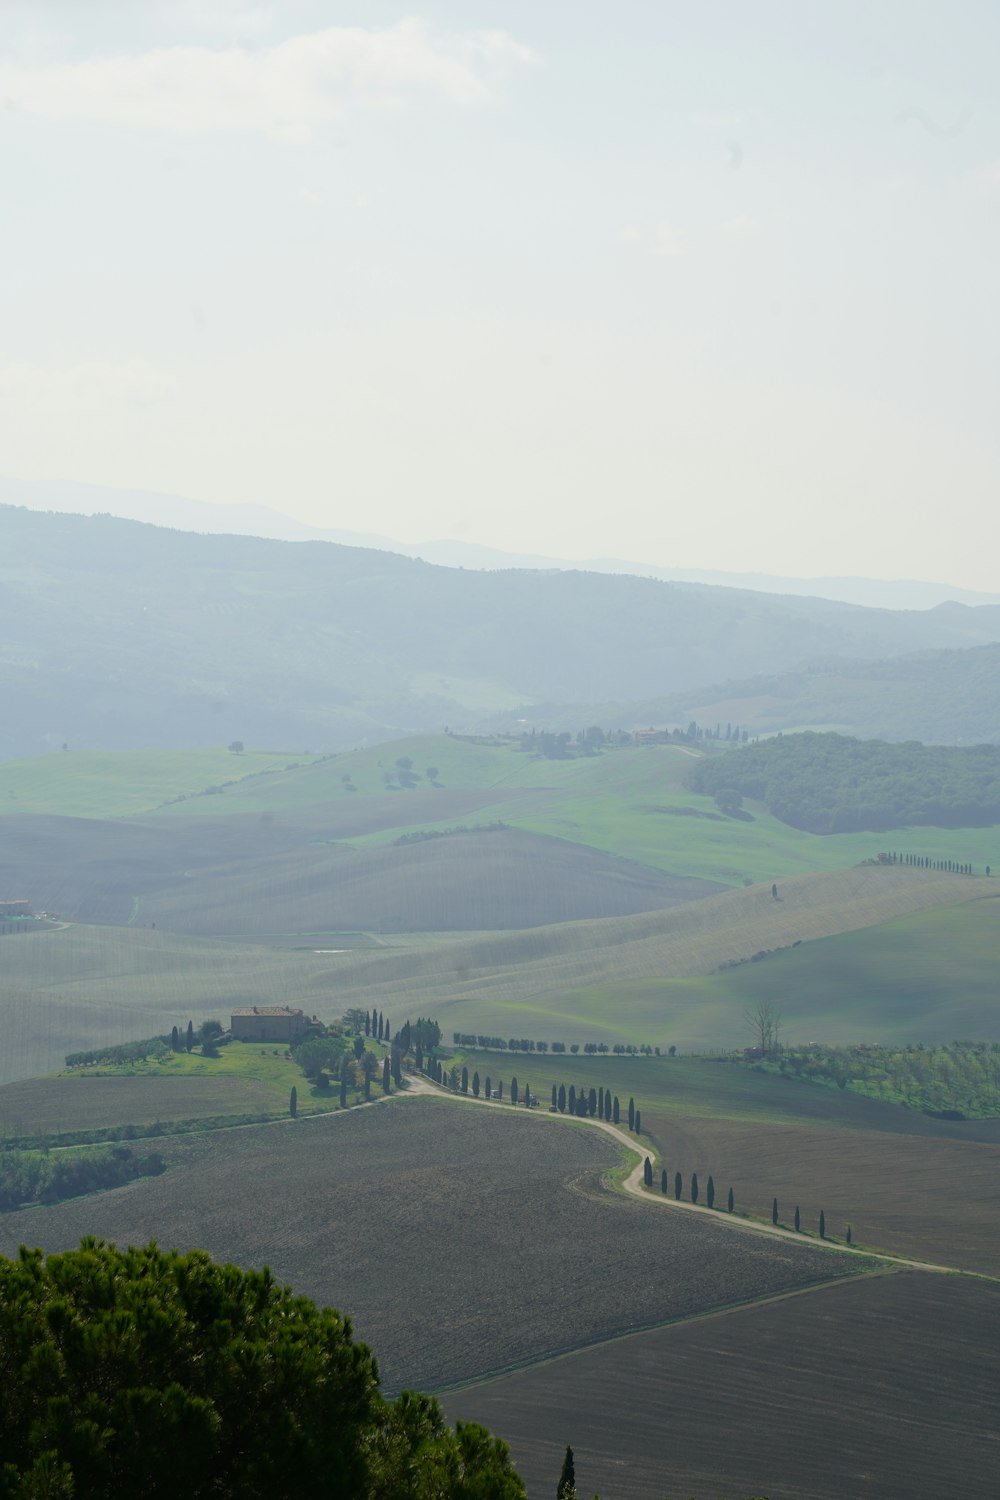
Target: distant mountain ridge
(118, 634)
(184, 514)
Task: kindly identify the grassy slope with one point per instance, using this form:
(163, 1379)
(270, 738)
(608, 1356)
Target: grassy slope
(69, 989)
(115, 784)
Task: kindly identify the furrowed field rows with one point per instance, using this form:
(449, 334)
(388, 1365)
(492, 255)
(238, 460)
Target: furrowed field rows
(437, 1228)
(889, 1386)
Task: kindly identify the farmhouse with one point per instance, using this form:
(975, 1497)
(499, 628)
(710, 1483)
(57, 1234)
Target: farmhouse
(268, 1023)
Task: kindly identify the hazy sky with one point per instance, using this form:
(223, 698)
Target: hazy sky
(703, 284)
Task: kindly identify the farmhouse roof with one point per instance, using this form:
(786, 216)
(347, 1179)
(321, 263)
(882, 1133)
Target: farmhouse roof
(265, 1010)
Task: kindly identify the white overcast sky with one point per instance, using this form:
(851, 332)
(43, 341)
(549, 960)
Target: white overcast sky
(706, 284)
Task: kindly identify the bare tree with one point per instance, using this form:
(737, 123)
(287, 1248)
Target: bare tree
(763, 1019)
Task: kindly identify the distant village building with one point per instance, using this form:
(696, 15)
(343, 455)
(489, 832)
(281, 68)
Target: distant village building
(268, 1023)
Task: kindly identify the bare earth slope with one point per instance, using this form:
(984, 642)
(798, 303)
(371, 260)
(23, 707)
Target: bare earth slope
(886, 1387)
(461, 1241)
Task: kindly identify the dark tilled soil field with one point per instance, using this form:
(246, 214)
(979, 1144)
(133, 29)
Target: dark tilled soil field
(461, 1241)
(887, 1387)
(934, 1200)
(47, 1105)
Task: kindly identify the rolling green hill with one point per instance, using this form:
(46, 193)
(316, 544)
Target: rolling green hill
(69, 989)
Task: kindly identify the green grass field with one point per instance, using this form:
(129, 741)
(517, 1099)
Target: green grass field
(116, 784)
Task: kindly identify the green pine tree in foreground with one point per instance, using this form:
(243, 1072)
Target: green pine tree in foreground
(225, 1385)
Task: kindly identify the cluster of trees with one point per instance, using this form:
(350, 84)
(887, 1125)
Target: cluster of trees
(831, 783)
(149, 1049)
(48, 1177)
(140, 1372)
(524, 1044)
(460, 1082)
(597, 1103)
(960, 1081)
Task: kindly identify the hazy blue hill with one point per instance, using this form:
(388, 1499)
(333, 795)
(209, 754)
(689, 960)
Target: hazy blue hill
(118, 634)
(949, 697)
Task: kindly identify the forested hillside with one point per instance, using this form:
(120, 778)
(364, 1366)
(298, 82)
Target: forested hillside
(117, 634)
(829, 783)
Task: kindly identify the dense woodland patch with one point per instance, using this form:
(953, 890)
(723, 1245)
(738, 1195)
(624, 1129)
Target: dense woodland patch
(829, 783)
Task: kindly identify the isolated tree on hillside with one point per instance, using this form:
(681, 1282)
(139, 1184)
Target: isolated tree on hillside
(710, 1193)
(631, 1114)
(647, 1172)
(774, 1211)
(763, 1020)
(732, 1201)
(798, 1219)
(663, 1180)
(822, 1225)
(566, 1488)
(850, 1235)
(678, 1186)
(293, 1102)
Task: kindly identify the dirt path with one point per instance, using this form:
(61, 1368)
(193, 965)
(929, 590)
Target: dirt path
(635, 1186)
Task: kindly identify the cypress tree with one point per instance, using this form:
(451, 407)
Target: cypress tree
(592, 1103)
(822, 1225)
(566, 1489)
(774, 1211)
(397, 1060)
(175, 1041)
(380, 1025)
(572, 1098)
(798, 1221)
(562, 1099)
(293, 1102)
(465, 1080)
(387, 1037)
(638, 1122)
(631, 1114)
(850, 1236)
(385, 1075)
(475, 1085)
(678, 1185)
(513, 1091)
(600, 1104)
(420, 1058)
(500, 1089)
(732, 1201)
(663, 1180)
(368, 1024)
(555, 1097)
(189, 1038)
(488, 1088)
(710, 1193)
(647, 1172)
(616, 1110)
(694, 1187)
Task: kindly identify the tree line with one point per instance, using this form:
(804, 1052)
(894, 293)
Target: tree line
(49, 1177)
(525, 1044)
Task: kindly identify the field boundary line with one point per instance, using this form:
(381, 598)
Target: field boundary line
(724, 1310)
